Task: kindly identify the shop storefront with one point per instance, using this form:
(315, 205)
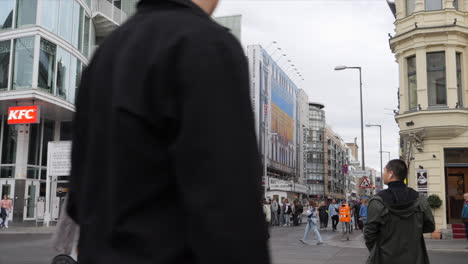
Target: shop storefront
(23, 156)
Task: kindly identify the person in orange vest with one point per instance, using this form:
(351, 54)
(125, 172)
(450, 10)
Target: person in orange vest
(345, 212)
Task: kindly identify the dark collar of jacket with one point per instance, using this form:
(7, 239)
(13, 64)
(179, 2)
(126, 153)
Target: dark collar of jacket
(144, 4)
(396, 185)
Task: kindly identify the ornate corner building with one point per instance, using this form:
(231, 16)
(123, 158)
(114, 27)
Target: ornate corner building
(431, 48)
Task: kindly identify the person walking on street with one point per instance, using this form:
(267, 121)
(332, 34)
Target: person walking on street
(323, 215)
(363, 212)
(287, 209)
(267, 211)
(6, 207)
(299, 211)
(333, 212)
(154, 106)
(312, 223)
(274, 213)
(356, 209)
(464, 214)
(397, 219)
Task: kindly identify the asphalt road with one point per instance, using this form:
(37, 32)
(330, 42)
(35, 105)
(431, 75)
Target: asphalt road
(285, 249)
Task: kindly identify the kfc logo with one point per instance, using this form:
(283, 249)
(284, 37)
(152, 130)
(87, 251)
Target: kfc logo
(23, 115)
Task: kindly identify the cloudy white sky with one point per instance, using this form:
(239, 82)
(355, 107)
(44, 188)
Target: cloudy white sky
(317, 35)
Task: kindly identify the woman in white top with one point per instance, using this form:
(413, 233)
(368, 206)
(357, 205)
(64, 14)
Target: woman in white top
(312, 223)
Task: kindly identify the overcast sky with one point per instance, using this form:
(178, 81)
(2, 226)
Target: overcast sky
(317, 35)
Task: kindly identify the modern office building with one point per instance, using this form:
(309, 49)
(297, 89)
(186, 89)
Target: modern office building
(274, 103)
(314, 150)
(431, 47)
(335, 160)
(233, 23)
(44, 47)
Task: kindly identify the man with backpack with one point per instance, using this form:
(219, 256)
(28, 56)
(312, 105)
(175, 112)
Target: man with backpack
(396, 220)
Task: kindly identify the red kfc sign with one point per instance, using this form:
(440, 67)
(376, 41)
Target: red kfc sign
(23, 115)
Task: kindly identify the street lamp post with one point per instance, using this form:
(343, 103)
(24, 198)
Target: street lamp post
(340, 68)
(381, 165)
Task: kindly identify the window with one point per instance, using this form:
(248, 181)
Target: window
(459, 80)
(23, 63)
(63, 73)
(436, 84)
(455, 4)
(34, 146)
(412, 83)
(48, 135)
(50, 15)
(66, 19)
(77, 27)
(433, 5)
(6, 13)
(5, 47)
(9, 143)
(86, 36)
(410, 6)
(47, 65)
(66, 129)
(26, 12)
(73, 78)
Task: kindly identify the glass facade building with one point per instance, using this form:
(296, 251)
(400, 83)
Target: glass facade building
(44, 47)
(314, 135)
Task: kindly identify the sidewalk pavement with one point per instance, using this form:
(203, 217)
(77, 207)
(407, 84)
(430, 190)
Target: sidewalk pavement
(356, 240)
(26, 229)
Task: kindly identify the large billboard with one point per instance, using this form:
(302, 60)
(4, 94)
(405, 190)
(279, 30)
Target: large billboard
(282, 113)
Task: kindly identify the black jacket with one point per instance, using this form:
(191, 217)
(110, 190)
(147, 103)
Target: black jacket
(164, 151)
(397, 219)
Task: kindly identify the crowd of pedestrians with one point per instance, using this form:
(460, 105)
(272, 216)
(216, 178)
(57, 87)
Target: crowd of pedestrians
(285, 213)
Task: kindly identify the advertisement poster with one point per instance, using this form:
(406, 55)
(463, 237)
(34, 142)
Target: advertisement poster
(283, 123)
(421, 178)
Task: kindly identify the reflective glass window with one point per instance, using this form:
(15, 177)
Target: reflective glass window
(63, 73)
(5, 47)
(66, 131)
(412, 83)
(455, 4)
(86, 31)
(50, 15)
(49, 128)
(433, 5)
(73, 79)
(10, 137)
(34, 146)
(6, 13)
(436, 82)
(23, 63)
(80, 29)
(26, 12)
(76, 24)
(66, 19)
(47, 56)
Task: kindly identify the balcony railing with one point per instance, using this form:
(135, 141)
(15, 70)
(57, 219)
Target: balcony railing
(109, 10)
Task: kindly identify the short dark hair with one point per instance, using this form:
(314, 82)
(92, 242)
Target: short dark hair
(399, 168)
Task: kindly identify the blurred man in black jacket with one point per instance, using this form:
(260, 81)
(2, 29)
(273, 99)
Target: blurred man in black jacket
(164, 131)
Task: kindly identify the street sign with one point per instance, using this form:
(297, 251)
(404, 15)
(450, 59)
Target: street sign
(365, 183)
(360, 173)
